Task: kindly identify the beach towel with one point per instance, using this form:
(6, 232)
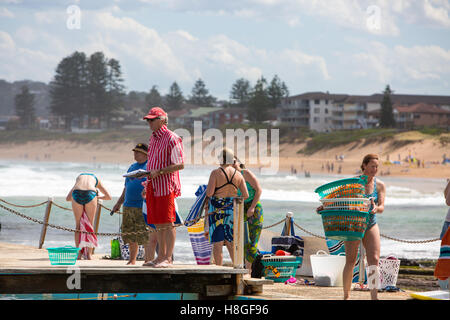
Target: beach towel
(87, 240)
(336, 247)
(221, 219)
(200, 245)
(197, 208)
(442, 269)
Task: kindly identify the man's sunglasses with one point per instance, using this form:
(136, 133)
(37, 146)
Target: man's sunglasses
(151, 120)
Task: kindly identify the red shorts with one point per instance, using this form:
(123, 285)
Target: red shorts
(160, 210)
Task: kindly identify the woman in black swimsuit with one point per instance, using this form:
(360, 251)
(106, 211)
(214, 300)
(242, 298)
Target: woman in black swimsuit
(223, 185)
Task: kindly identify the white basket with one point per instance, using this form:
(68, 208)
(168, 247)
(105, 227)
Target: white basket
(355, 204)
(389, 269)
(278, 258)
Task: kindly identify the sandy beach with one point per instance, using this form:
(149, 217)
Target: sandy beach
(429, 152)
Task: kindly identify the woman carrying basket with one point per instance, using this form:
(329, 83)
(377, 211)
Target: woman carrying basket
(376, 190)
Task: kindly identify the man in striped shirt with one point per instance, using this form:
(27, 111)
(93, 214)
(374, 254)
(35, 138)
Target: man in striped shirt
(165, 159)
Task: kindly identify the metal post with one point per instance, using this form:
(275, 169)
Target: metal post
(46, 217)
(97, 218)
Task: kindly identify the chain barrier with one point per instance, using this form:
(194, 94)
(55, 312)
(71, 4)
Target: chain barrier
(165, 228)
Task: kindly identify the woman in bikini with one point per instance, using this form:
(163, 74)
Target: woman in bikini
(223, 186)
(84, 195)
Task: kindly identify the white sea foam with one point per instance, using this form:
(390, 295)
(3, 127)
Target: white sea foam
(56, 179)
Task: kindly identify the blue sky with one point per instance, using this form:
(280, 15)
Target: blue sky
(340, 46)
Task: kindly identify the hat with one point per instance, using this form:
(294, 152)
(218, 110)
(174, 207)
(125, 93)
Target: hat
(141, 147)
(155, 112)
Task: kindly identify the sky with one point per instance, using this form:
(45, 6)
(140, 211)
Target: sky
(340, 46)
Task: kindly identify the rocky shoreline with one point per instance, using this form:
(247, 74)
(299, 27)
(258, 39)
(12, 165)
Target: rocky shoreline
(417, 275)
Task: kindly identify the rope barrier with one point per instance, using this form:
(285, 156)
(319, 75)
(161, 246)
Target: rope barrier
(159, 229)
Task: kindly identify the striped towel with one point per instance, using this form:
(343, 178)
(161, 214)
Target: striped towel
(197, 208)
(87, 240)
(442, 270)
(200, 245)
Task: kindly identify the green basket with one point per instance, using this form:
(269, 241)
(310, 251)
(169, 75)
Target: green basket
(348, 188)
(344, 225)
(63, 255)
(278, 269)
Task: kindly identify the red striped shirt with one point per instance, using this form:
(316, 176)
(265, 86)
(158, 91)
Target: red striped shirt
(165, 148)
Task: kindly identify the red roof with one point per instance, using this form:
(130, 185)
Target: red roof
(421, 108)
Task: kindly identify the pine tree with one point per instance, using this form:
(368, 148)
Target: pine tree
(153, 99)
(240, 92)
(97, 102)
(200, 95)
(114, 88)
(174, 98)
(24, 103)
(259, 103)
(277, 91)
(387, 115)
(68, 89)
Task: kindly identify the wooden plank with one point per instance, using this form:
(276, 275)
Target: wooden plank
(116, 283)
(46, 218)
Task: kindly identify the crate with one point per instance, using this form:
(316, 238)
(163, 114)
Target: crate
(63, 255)
(346, 204)
(280, 268)
(344, 188)
(344, 225)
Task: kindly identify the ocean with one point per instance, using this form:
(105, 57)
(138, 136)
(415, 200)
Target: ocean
(414, 210)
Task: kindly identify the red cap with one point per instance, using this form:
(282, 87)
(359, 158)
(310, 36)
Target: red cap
(155, 112)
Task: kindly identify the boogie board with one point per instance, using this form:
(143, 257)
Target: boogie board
(431, 295)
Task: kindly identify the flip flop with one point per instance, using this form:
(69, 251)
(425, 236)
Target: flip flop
(161, 265)
(149, 264)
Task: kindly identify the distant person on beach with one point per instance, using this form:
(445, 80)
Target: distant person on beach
(165, 159)
(447, 202)
(84, 196)
(223, 186)
(132, 201)
(376, 190)
(253, 212)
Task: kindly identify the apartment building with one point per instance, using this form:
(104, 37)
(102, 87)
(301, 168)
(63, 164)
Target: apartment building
(325, 112)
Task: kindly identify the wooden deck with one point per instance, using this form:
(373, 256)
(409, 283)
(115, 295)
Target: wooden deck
(28, 270)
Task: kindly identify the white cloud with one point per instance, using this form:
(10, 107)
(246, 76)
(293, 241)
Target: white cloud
(4, 12)
(400, 64)
(127, 37)
(23, 63)
(437, 14)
